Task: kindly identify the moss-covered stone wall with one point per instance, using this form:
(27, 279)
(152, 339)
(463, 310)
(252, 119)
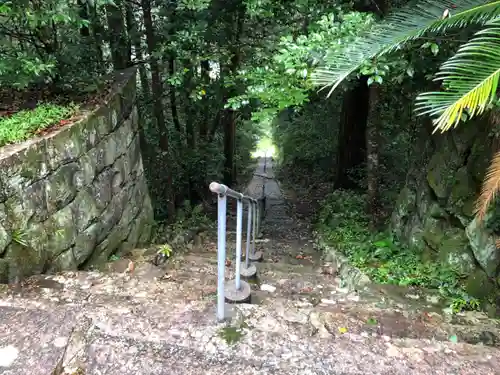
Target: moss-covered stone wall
(435, 211)
(77, 195)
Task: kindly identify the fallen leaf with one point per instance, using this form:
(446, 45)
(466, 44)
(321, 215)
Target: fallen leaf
(299, 257)
(307, 289)
(228, 263)
(131, 267)
(342, 330)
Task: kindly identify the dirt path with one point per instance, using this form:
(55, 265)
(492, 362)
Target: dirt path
(161, 320)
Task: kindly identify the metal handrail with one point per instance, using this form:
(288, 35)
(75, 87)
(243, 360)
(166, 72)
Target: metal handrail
(240, 290)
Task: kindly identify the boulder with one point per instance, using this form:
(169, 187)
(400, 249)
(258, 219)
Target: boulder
(483, 246)
(454, 250)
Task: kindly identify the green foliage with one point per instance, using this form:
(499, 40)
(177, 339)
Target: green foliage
(344, 224)
(308, 136)
(470, 78)
(165, 250)
(37, 42)
(21, 125)
(397, 30)
(281, 80)
(462, 303)
(19, 237)
(189, 216)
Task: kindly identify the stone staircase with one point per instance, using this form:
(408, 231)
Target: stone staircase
(161, 320)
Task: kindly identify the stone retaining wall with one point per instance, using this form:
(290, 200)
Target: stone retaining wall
(434, 212)
(77, 195)
(351, 277)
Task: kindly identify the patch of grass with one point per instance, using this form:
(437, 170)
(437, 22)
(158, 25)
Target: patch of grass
(232, 334)
(21, 125)
(19, 237)
(344, 225)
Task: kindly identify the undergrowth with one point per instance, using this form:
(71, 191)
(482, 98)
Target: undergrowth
(23, 124)
(344, 225)
(188, 216)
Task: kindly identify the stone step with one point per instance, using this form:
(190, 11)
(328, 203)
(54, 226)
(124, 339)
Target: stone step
(152, 337)
(270, 329)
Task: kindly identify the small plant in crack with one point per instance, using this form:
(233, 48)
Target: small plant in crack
(163, 253)
(19, 237)
(60, 233)
(233, 334)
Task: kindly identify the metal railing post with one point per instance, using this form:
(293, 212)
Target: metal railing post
(254, 226)
(239, 291)
(249, 234)
(239, 225)
(221, 253)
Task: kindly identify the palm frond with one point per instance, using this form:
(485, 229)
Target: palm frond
(403, 26)
(470, 79)
(490, 188)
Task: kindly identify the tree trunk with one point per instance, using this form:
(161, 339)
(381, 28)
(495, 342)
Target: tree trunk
(129, 23)
(229, 124)
(157, 90)
(373, 139)
(189, 106)
(173, 96)
(228, 117)
(205, 77)
(98, 34)
(372, 154)
(117, 36)
(352, 147)
(84, 15)
(135, 38)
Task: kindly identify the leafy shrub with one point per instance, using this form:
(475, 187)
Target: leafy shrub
(344, 225)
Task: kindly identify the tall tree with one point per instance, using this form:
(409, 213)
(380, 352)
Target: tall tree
(381, 8)
(118, 40)
(157, 90)
(236, 19)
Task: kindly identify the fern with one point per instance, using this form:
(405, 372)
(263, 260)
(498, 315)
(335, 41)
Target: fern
(470, 79)
(403, 26)
(490, 188)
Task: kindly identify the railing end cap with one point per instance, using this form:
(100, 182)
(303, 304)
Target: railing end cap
(214, 187)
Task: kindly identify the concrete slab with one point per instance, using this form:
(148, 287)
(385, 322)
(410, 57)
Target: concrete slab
(33, 341)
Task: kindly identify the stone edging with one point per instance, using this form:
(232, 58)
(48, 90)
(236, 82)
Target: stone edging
(351, 276)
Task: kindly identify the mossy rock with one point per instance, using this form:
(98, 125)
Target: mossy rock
(4, 271)
(4, 239)
(479, 159)
(463, 193)
(483, 246)
(455, 251)
(24, 261)
(403, 209)
(416, 239)
(480, 286)
(434, 232)
(441, 170)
